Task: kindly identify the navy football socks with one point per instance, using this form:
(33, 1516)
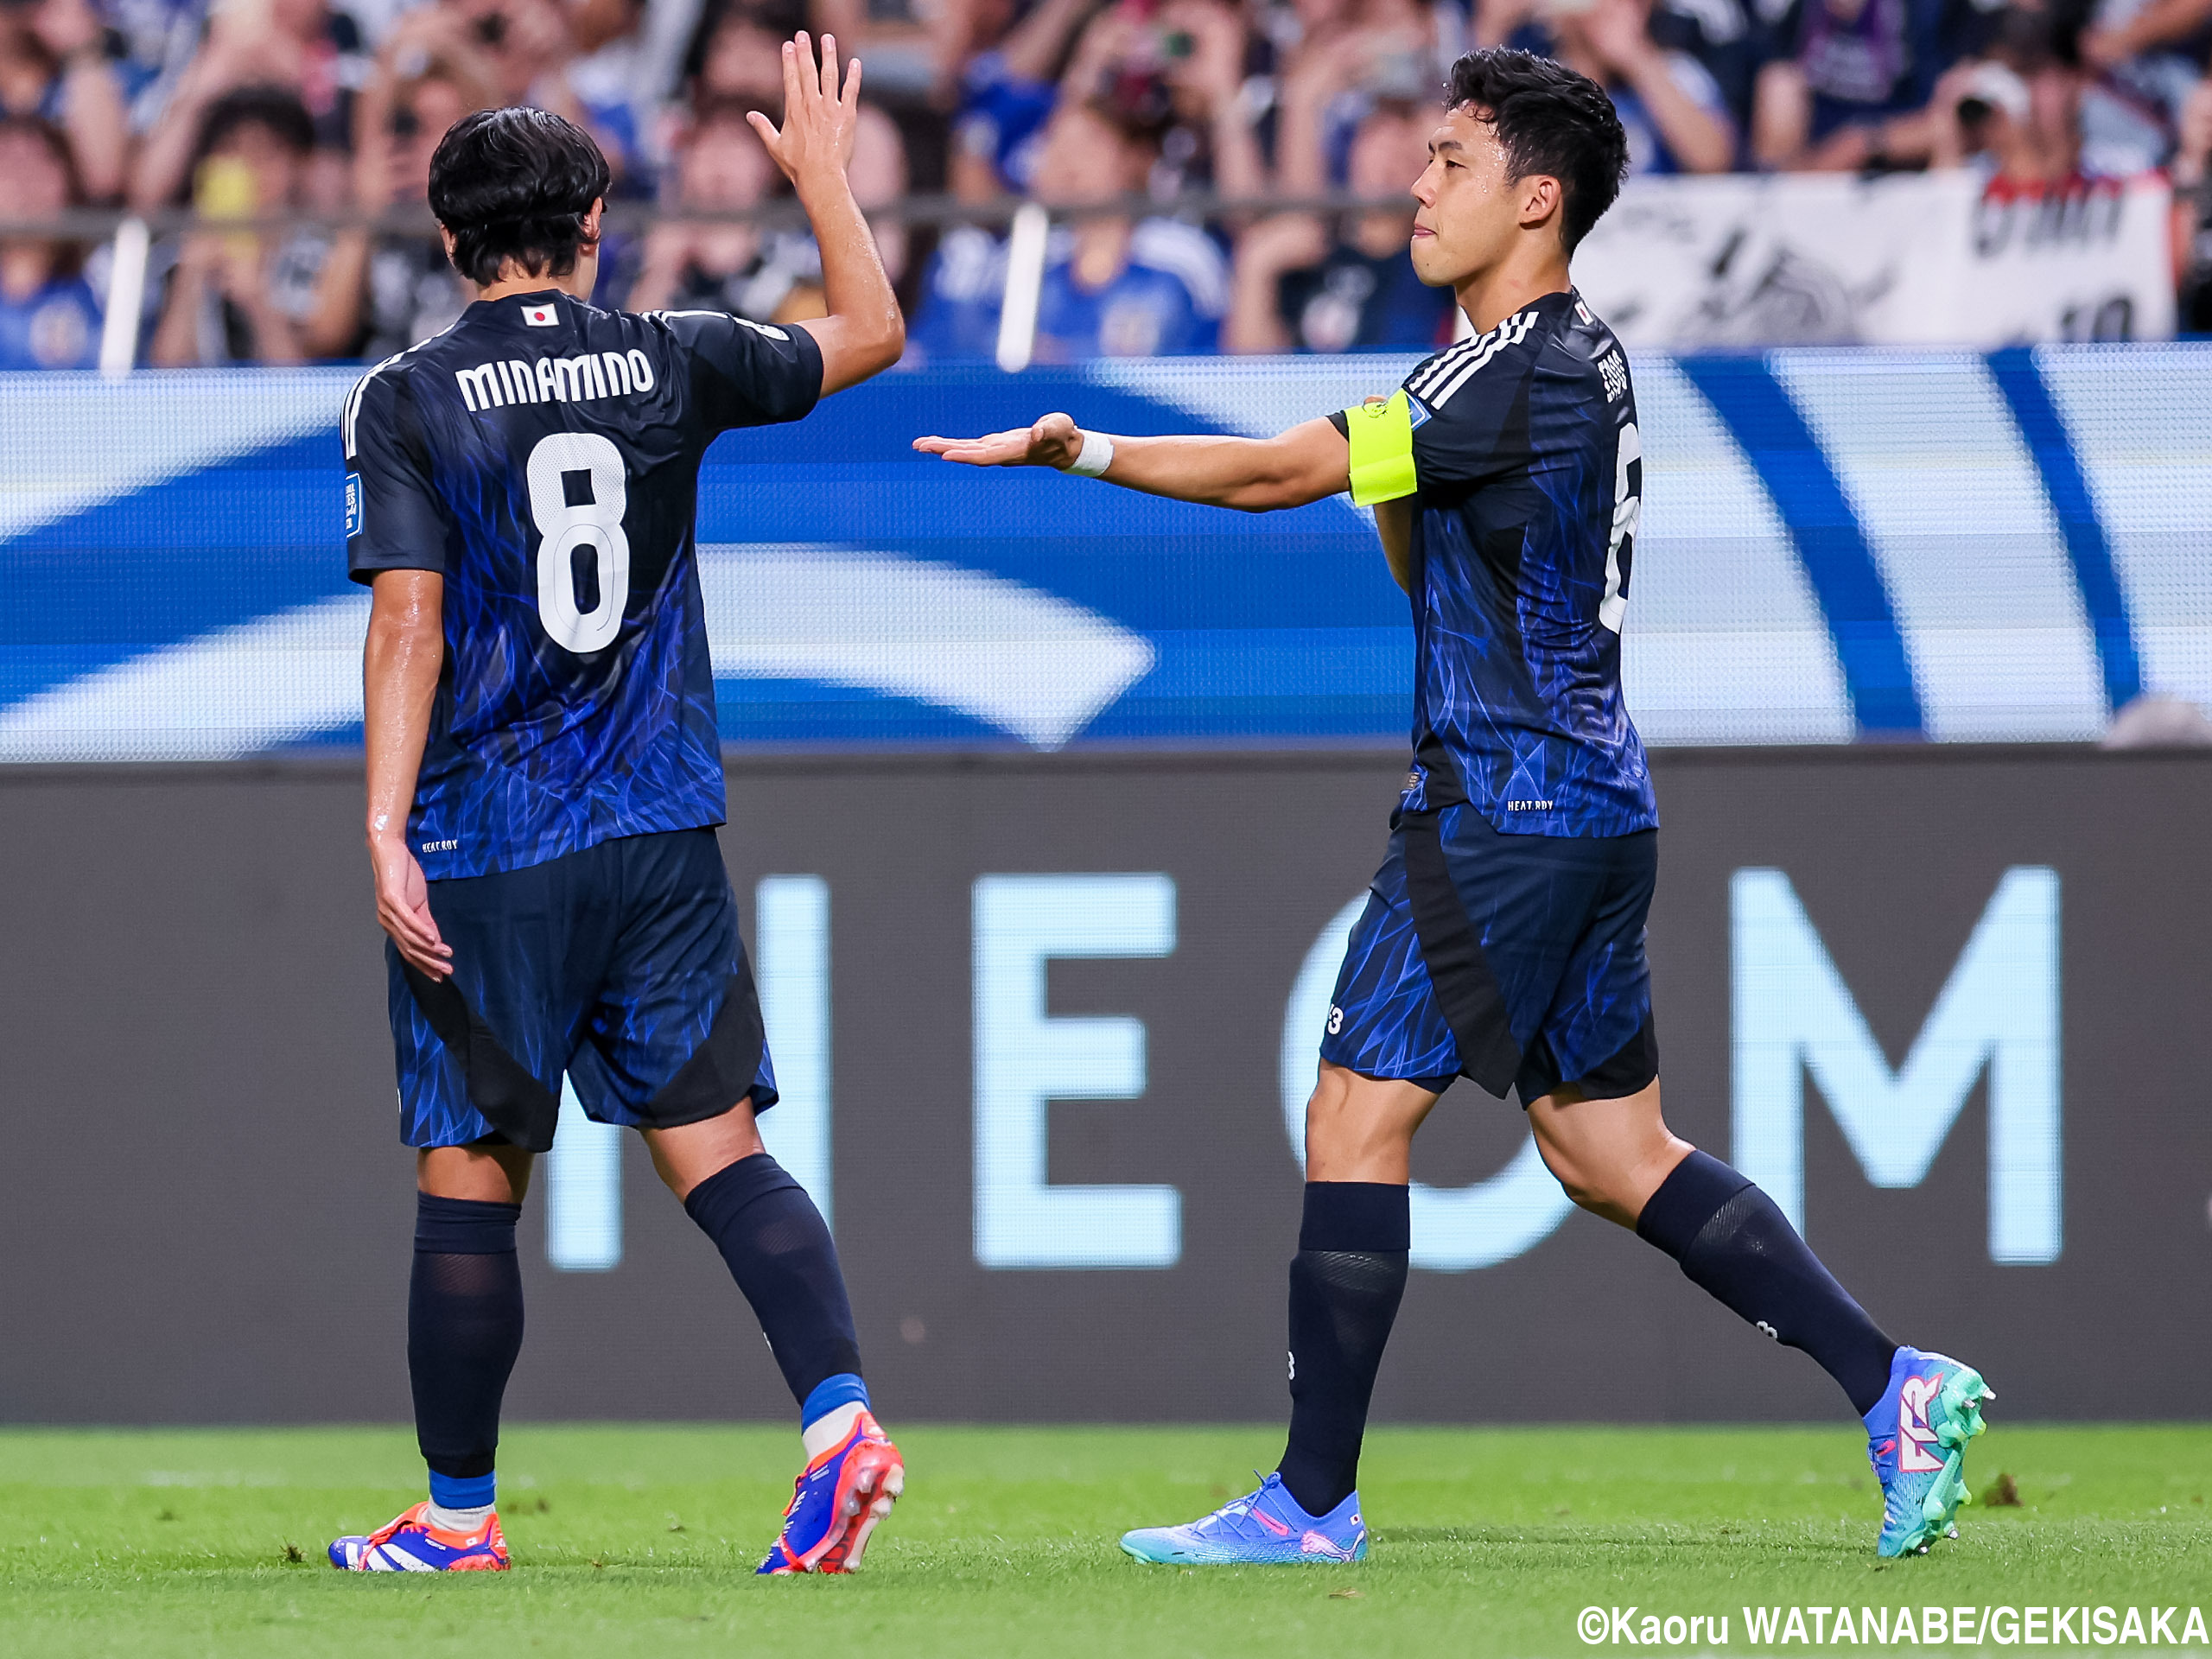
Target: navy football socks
(1735, 1243)
(779, 1251)
(464, 1329)
(1346, 1283)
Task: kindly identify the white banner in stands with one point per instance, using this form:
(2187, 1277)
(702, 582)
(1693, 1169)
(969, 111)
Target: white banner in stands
(1920, 259)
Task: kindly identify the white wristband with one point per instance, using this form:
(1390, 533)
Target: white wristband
(1097, 455)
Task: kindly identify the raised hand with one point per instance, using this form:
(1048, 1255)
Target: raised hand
(1056, 441)
(820, 121)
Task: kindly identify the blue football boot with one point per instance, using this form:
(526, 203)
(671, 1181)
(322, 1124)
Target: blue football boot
(1916, 1440)
(837, 1500)
(1261, 1529)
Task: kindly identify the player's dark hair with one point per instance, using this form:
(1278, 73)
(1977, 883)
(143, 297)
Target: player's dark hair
(517, 184)
(1549, 120)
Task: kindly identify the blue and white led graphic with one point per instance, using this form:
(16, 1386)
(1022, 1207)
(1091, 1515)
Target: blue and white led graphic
(1025, 1059)
(790, 955)
(1998, 1014)
(1794, 1020)
(1951, 545)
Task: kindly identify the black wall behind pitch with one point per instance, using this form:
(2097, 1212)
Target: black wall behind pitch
(205, 1216)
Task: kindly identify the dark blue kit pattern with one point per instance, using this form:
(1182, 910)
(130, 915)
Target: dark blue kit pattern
(1515, 960)
(619, 965)
(544, 457)
(1503, 937)
(1529, 469)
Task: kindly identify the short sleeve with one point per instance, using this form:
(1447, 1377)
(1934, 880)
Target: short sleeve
(1467, 405)
(746, 373)
(1439, 426)
(392, 519)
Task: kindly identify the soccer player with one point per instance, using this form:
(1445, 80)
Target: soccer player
(544, 778)
(1503, 936)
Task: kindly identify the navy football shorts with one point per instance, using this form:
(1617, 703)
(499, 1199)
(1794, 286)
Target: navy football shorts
(619, 965)
(1515, 960)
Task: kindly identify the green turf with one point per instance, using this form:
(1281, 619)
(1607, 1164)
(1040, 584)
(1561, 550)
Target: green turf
(634, 1539)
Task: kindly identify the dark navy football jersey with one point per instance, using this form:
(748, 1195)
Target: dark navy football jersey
(544, 456)
(1521, 452)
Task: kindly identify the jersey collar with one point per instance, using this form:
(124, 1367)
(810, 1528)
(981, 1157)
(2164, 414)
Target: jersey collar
(540, 309)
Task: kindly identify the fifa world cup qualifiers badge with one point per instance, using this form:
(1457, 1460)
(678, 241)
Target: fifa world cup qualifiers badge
(353, 505)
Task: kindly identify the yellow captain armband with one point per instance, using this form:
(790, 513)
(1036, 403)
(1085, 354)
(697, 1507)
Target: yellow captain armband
(1382, 433)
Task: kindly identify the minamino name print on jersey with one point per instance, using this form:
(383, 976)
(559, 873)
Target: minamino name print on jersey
(554, 379)
(580, 705)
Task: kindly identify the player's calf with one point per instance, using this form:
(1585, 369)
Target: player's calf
(1733, 1242)
(779, 1250)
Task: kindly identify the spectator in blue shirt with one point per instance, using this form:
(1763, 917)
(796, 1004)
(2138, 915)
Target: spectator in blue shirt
(1112, 287)
(48, 317)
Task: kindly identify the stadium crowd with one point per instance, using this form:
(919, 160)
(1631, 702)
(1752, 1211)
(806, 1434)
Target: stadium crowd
(234, 108)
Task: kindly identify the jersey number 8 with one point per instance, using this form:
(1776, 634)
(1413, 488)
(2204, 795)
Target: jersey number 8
(564, 526)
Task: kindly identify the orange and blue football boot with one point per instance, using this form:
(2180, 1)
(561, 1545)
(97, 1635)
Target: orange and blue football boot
(411, 1544)
(1916, 1438)
(837, 1500)
(1261, 1529)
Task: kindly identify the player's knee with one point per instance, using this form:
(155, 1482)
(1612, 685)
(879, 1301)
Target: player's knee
(688, 1154)
(1358, 1128)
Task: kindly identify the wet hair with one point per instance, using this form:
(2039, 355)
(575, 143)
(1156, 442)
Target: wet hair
(275, 109)
(515, 184)
(1549, 120)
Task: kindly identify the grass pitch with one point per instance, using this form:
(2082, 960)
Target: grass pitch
(643, 1539)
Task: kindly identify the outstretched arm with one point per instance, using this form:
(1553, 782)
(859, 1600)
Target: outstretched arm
(864, 333)
(1309, 461)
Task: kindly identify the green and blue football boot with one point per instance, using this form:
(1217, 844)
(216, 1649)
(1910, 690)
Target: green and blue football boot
(1916, 1438)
